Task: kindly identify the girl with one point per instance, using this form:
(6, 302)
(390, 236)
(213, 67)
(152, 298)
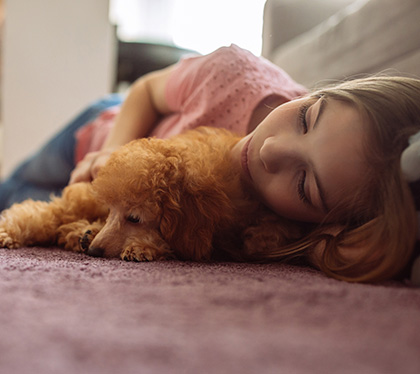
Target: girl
(328, 160)
(366, 209)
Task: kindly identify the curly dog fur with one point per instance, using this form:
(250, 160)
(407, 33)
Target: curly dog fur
(154, 200)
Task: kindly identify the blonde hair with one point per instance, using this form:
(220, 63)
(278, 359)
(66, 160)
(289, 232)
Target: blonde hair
(376, 238)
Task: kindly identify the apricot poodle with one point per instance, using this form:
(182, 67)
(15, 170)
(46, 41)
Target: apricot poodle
(156, 199)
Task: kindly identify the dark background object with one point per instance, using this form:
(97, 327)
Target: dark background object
(137, 58)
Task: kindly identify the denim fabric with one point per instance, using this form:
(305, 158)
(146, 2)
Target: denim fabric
(48, 170)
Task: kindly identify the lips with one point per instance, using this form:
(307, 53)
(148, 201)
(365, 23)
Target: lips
(244, 159)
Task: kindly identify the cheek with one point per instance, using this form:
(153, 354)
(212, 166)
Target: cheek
(286, 205)
(277, 197)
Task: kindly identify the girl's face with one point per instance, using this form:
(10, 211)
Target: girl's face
(304, 157)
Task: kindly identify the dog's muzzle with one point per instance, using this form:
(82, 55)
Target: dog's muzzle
(95, 252)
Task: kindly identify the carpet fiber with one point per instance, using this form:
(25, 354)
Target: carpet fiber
(62, 312)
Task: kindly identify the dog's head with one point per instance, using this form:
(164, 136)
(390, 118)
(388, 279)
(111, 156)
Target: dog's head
(148, 194)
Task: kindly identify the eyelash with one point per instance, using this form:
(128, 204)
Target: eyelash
(301, 184)
(301, 188)
(302, 117)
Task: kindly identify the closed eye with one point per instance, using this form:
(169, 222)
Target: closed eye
(133, 219)
(301, 188)
(302, 116)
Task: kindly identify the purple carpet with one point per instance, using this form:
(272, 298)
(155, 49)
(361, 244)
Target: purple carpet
(63, 312)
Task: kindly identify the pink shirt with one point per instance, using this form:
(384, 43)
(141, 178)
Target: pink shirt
(221, 89)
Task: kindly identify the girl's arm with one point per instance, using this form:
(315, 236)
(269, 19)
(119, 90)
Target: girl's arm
(144, 104)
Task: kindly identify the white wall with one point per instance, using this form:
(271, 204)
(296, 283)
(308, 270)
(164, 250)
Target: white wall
(58, 56)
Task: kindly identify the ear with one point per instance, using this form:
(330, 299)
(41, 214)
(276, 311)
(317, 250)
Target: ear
(188, 226)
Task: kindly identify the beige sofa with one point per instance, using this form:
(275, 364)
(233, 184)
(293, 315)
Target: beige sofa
(320, 40)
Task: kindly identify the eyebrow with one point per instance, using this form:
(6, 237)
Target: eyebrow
(321, 190)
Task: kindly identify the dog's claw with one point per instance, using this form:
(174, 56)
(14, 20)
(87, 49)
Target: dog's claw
(148, 257)
(84, 243)
(85, 240)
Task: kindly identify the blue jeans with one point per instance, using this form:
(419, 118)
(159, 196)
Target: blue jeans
(48, 170)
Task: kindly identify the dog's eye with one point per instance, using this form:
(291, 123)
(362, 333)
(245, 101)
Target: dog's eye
(133, 219)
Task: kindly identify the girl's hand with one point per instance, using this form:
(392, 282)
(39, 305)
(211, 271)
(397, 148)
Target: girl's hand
(143, 106)
(87, 169)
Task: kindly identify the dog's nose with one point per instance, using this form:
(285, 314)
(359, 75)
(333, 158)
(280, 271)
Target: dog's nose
(95, 252)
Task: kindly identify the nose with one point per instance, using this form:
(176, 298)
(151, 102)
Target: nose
(96, 252)
(279, 152)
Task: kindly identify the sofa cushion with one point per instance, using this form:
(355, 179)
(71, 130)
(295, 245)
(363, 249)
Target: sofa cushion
(367, 37)
(285, 19)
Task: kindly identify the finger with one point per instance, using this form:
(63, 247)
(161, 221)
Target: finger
(82, 171)
(98, 164)
(80, 174)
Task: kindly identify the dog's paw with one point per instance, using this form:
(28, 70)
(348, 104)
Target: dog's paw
(77, 236)
(86, 239)
(138, 254)
(150, 247)
(6, 241)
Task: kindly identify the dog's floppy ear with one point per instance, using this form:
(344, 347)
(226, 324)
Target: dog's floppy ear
(188, 224)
